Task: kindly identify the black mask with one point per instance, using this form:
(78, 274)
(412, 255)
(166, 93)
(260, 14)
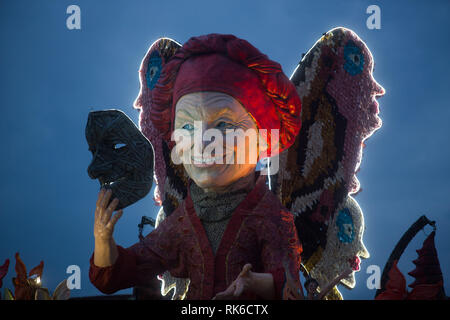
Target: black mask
(123, 158)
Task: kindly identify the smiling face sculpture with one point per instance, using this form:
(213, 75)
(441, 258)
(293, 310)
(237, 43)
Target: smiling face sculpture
(122, 156)
(218, 113)
(222, 83)
(216, 76)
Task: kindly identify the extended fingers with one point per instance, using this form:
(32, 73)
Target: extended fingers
(245, 270)
(228, 293)
(114, 219)
(108, 212)
(104, 202)
(101, 194)
(223, 295)
(239, 288)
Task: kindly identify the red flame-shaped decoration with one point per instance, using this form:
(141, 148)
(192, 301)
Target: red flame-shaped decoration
(429, 284)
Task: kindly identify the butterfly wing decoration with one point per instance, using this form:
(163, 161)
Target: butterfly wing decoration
(339, 112)
(344, 248)
(171, 181)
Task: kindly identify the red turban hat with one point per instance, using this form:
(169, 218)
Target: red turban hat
(227, 64)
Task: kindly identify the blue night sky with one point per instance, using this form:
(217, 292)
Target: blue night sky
(52, 77)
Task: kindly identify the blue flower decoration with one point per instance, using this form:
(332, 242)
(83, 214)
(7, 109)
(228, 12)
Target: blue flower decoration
(153, 69)
(345, 225)
(354, 59)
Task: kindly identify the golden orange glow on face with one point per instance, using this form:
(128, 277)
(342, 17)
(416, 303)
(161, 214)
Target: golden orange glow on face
(213, 170)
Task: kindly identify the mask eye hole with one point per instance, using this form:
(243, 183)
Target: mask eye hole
(119, 146)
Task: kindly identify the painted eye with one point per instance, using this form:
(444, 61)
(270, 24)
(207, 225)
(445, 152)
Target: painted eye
(119, 146)
(152, 72)
(347, 229)
(223, 125)
(345, 226)
(353, 59)
(188, 126)
(153, 69)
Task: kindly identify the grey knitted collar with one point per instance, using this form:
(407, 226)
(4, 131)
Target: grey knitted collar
(214, 207)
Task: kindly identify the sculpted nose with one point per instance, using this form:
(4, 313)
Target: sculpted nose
(98, 167)
(201, 140)
(363, 252)
(92, 170)
(138, 103)
(378, 89)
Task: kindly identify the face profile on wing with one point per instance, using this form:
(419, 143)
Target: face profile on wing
(344, 247)
(339, 112)
(170, 186)
(170, 181)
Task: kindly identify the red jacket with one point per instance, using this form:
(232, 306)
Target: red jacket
(260, 232)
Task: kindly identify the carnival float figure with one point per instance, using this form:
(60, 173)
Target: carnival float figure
(226, 230)
(230, 235)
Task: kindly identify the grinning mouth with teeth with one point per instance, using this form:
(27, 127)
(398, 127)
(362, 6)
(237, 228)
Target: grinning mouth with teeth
(207, 160)
(220, 159)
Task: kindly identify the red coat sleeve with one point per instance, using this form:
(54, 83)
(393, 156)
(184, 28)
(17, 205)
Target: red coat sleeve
(281, 253)
(140, 263)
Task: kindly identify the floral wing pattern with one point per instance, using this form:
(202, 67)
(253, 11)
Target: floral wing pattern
(339, 112)
(171, 182)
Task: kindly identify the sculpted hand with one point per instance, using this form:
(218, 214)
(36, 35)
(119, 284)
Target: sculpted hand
(243, 282)
(292, 291)
(104, 220)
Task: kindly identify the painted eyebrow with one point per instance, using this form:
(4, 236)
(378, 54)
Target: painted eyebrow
(224, 112)
(187, 113)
